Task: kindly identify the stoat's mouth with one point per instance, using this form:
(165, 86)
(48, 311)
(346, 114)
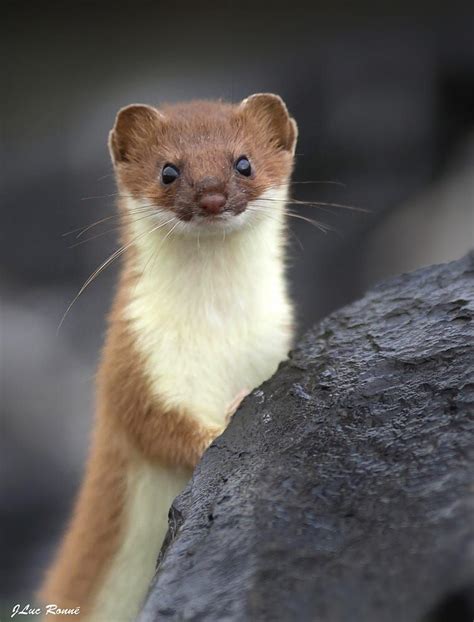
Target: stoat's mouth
(209, 224)
(204, 219)
(212, 218)
(212, 221)
(208, 218)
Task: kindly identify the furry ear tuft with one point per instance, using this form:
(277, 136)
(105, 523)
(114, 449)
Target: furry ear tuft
(270, 111)
(134, 124)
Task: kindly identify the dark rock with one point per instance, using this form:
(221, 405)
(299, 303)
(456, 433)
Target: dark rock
(343, 488)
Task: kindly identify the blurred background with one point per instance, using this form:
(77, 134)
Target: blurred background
(385, 105)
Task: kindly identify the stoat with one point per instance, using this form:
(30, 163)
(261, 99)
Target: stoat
(201, 316)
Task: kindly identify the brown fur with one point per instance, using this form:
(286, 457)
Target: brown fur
(94, 531)
(204, 139)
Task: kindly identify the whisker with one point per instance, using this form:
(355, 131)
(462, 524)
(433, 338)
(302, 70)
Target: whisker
(155, 254)
(316, 223)
(95, 224)
(112, 230)
(86, 228)
(300, 244)
(328, 204)
(99, 196)
(170, 232)
(289, 228)
(107, 196)
(119, 195)
(314, 203)
(320, 181)
(102, 267)
(268, 214)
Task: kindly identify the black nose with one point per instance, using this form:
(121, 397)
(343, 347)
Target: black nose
(212, 202)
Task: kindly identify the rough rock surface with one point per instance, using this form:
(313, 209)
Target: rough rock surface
(343, 488)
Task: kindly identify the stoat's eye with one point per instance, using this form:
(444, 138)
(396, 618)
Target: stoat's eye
(169, 173)
(242, 166)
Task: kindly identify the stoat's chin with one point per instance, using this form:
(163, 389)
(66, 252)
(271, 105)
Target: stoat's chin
(218, 225)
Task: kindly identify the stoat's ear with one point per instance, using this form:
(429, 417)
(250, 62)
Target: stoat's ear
(271, 114)
(134, 126)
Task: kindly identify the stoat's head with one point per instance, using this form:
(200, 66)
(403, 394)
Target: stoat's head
(204, 164)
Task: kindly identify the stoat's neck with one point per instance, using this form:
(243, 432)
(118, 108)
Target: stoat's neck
(217, 269)
(211, 316)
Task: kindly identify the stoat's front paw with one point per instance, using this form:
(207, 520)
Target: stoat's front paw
(234, 404)
(208, 434)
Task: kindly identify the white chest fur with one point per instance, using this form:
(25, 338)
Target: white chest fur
(211, 314)
(150, 492)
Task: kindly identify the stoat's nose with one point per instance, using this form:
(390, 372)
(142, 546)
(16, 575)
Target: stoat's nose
(212, 203)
